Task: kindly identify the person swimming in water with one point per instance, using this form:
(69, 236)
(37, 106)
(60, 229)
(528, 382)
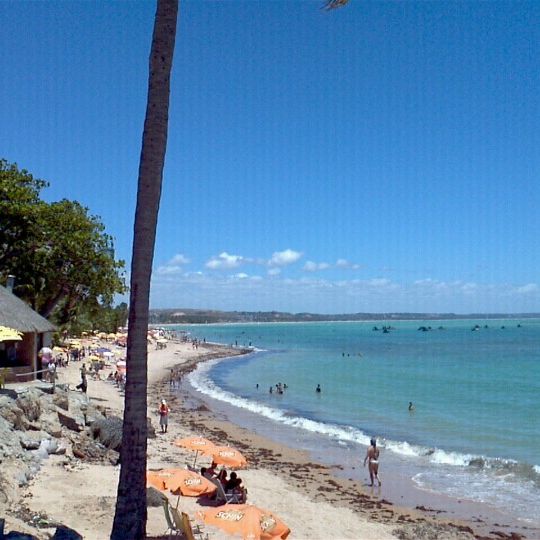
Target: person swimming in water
(318, 389)
(411, 406)
(372, 456)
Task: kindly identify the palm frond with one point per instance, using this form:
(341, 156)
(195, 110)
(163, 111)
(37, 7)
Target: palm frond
(334, 4)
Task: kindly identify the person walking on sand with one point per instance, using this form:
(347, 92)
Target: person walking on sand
(372, 458)
(83, 386)
(164, 416)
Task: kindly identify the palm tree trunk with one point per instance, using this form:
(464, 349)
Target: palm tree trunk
(131, 514)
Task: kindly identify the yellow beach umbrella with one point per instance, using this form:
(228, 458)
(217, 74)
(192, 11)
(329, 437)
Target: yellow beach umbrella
(10, 334)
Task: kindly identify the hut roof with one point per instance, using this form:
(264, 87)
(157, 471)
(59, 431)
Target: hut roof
(17, 314)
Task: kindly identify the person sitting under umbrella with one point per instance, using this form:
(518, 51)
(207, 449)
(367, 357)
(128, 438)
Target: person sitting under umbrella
(234, 485)
(222, 477)
(211, 471)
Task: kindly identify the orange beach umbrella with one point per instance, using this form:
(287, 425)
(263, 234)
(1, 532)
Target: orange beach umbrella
(251, 522)
(180, 482)
(195, 443)
(199, 444)
(226, 455)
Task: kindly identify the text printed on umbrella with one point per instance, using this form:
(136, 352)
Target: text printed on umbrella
(231, 515)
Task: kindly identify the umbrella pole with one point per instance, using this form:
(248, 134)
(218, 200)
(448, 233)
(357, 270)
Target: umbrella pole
(195, 460)
(177, 501)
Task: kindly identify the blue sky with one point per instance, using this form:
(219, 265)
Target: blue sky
(380, 157)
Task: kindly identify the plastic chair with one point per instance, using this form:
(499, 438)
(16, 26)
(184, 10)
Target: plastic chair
(229, 497)
(183, 523)
(172, 529)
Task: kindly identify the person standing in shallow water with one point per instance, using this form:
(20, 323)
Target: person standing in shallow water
(372, 457)
(318, 389)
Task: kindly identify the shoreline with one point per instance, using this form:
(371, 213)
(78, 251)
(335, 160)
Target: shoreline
(266, 452)
(309, 496)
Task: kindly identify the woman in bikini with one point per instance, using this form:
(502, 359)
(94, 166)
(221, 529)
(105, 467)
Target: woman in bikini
(372, 456)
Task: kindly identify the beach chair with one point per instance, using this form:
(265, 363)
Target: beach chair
(225, 496)
(183, 523)
(172, 529)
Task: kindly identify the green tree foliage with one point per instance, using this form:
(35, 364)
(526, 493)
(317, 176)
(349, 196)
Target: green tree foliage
(19, 205)
(97, 317)
(60, 254)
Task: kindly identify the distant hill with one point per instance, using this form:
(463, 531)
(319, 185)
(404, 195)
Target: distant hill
(207, 316)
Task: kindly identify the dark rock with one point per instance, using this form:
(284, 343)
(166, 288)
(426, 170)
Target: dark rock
(113, 457)
(14, 415)
(71, 422)
(30, 405)
(150, 428)
(61, 399)
(65, 533)
(90, 450)
(154, 497)
(46, 388)
(12, 394)
(30, 444)
(108, 431)
(51, 424)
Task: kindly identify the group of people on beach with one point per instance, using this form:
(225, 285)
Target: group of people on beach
(175, 378)
(231, 483)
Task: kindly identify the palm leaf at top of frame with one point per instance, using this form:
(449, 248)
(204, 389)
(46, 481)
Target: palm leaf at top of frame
(334, 4)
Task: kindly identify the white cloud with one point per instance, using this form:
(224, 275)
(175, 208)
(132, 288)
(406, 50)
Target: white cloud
(311, 266)
(344, 263)
(283, 258)
(224, 260)
(526, 289)
(174, 266)
(178, 260)
(163, 270)
(174, 287)
(379, 282)
(469, 287)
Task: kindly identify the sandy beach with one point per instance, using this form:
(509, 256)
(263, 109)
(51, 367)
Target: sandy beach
(309, 497)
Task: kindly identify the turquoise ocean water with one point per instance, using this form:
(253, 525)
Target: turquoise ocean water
(475, 430)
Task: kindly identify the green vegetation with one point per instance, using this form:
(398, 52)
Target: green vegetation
(61, 256)
(203, 316)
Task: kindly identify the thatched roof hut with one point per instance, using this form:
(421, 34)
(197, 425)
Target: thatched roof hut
(15, 313)
(19, 359)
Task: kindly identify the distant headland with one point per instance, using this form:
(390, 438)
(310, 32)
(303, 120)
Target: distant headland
(208, 316)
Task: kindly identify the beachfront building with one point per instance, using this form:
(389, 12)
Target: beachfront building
(19, 358)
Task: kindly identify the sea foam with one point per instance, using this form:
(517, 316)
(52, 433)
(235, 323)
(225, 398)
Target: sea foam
(202, 382)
